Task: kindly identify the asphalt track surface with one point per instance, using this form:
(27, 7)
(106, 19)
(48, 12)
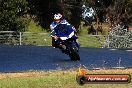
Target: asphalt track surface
(22, 58)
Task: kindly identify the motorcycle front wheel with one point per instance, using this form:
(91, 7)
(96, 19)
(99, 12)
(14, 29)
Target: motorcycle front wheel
(74, 54)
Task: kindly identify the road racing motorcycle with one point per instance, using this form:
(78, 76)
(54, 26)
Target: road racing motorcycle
(67, 39)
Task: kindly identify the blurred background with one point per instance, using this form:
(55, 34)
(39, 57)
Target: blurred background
(99, 23)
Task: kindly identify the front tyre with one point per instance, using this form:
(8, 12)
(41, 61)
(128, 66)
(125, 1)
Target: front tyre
(74, 55)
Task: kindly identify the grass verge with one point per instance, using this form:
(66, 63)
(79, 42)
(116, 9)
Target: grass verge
(56, 79)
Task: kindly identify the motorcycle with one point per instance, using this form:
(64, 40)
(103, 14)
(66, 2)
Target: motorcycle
(67, 40)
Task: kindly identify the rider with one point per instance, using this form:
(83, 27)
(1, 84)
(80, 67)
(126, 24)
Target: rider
(58, 19)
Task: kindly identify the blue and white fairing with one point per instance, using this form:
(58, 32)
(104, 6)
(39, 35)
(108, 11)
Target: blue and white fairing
(64, 32)
(67, 41)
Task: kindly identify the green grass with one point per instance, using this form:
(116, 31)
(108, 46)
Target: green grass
(35, 35)
(38, 36)
(34, 27)
(36, 39)
(57, 79)
(37, 82)
(90, 41)
(45, 40)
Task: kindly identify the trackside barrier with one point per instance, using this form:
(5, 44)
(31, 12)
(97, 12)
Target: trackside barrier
(24, 38)
(44, 39)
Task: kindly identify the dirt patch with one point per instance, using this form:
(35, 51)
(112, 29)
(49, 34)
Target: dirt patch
(112, 71)
(21, 74)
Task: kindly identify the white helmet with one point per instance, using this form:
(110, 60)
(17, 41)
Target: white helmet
(57, 16)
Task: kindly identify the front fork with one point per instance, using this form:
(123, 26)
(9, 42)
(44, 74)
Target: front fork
(73, 46)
